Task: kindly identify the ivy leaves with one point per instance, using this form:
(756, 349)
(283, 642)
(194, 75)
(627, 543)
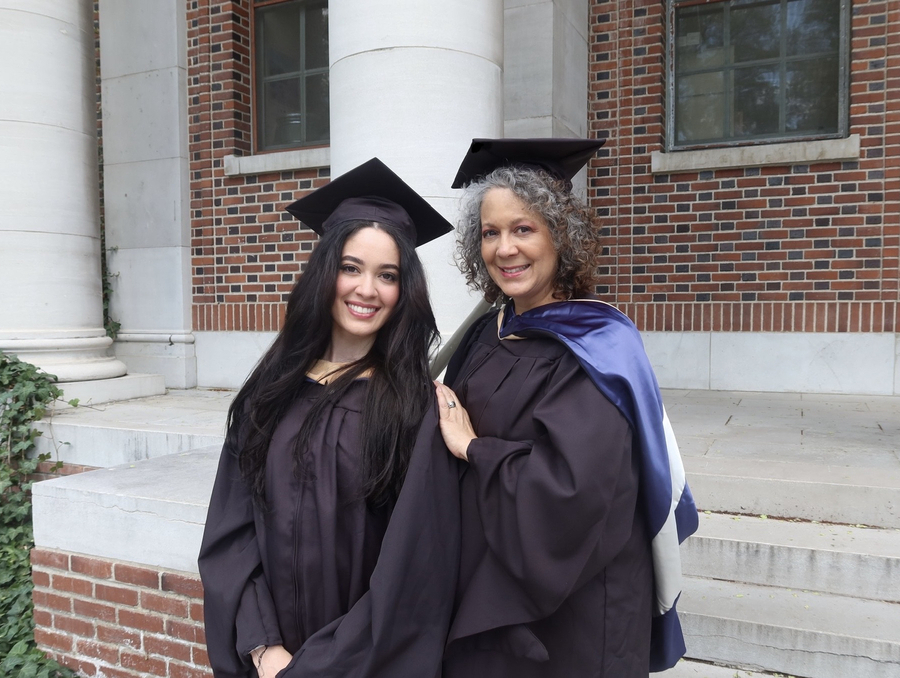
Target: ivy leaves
(25, 395)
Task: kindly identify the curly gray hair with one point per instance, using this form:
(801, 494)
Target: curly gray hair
(573, 229)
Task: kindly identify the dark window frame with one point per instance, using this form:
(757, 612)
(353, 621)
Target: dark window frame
(843, 125)
(257, 81)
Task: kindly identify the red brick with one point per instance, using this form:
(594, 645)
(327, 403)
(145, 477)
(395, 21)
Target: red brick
(167, 648)
(43, 618)
(73, 626)
(54, 559)
(200, 656)
(79, 666)
(94, 610)
(116, 594)
(52, 601)
(140, 620)
(112, 672)
(139, 576)
(118, 636)
(165, 604)
(196, 613)
(185, 631)
(40, 578)
(52, 639)
(142, 663)
(181, 671)
(98, 569)
(81, 587)
(91, 648)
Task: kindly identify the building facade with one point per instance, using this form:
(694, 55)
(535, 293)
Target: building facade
(753, 257)
(749, 190)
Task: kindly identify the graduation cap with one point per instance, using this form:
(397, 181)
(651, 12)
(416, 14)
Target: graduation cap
(560, 158)
(371, 192)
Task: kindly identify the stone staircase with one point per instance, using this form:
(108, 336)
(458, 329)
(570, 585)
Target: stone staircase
(795, 569)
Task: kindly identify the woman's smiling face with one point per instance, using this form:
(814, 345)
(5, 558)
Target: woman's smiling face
(366, 292)
(517, 249)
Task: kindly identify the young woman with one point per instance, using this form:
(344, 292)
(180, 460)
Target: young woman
(574, 500)
(330, 548)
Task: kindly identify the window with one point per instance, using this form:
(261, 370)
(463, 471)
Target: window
(748, 71)
(291, 86)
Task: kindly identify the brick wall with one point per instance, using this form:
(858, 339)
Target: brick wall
(117, 620)
(246, 251)
(780, 248)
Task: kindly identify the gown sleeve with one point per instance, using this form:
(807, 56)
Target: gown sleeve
(555, 510)
(398, 628)
(238, 609)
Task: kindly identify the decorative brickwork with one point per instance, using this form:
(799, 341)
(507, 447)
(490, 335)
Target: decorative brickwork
(118, 620)
(779, 248)
(246, 251)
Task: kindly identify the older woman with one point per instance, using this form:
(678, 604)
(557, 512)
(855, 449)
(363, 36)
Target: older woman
(573, 503)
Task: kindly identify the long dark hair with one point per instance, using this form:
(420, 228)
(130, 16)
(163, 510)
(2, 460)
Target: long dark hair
(399, 384)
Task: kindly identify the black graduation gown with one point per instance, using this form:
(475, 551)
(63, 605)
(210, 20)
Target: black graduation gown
(349, 590)
(556, 576)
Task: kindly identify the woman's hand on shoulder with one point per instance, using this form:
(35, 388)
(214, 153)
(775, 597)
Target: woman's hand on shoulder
(456, 426)
(270, 660)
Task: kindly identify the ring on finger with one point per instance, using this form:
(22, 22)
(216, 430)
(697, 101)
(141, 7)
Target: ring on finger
(451, 404)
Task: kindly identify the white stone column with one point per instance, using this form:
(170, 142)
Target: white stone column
(51, 311)
(412, 82)
(143, 54)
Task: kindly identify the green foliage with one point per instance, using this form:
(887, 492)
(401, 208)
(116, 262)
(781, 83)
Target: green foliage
(25, 394)
(112, 326)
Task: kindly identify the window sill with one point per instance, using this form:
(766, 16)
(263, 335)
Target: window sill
(794, 153)
(282, 161)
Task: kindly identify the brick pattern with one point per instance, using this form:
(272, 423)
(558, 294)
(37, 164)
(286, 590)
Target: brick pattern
(48, 469)
(779, 248)
(118, 620)
(246, 251)
(791, 248)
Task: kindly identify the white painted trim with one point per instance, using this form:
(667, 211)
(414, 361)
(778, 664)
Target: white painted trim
(786, 362)
(799, 152)
(307, 158)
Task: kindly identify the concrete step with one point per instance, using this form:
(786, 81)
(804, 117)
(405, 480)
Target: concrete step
(837, 559)
(132, 430)
(694, 669)
(149, 512)
(858, 495)
(789, 631)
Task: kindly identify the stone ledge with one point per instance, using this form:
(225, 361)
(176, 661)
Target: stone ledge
(283, 161)
(794, 153)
